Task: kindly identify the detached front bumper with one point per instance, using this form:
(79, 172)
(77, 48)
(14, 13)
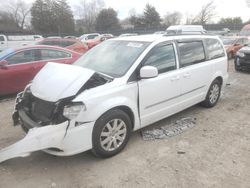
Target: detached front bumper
(64, 139)
(36, 139)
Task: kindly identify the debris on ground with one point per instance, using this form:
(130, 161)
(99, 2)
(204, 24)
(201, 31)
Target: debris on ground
(181, 152)
(169, 130)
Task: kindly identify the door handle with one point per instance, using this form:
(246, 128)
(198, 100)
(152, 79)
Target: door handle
(187, 75)
(175, 78)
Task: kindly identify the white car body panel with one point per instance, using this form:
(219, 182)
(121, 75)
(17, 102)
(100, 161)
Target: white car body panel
(149, 100)
(56, 81)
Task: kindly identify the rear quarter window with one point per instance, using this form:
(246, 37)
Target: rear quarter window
(53, 54)
(191, 52)
(214, 48)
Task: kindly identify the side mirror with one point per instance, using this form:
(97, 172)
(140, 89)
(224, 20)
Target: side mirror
(148, 72)
(3, 64)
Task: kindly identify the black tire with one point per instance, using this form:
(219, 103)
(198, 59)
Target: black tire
(101, 125)
(208, 102)
(236, 67)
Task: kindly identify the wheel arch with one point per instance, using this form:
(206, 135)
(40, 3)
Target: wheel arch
(125, 109)
(220, 79)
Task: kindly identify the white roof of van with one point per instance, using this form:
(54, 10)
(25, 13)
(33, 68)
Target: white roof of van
(186, 27)
(153, 38)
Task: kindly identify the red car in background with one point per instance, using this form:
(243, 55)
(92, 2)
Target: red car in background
(69, 43)
(19, 66)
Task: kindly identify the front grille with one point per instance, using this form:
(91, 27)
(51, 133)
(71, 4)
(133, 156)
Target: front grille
(42, 110)
(247, 56)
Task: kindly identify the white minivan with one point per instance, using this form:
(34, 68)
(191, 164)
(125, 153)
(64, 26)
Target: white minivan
(120, 86)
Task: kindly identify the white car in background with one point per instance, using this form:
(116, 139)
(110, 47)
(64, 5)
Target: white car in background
(89, 36)
(96, 103)
(16, 41)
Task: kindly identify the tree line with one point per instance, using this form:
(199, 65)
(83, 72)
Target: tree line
(56, 17)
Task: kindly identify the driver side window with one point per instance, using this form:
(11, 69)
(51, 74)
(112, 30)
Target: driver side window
(163, 58)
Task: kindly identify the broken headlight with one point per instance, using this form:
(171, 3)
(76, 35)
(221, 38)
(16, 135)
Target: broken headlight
(72, 110)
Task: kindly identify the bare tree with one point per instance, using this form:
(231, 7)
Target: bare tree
(190, 19)
(206, 14)
(87, 12)
(7, 23)
(172, 18)
(19, 11)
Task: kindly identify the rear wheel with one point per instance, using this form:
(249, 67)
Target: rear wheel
(237, 66)
(111, 133)
(213, 94)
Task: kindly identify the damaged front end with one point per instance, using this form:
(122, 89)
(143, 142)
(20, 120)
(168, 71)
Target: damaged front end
(48, 126)
(43, 122)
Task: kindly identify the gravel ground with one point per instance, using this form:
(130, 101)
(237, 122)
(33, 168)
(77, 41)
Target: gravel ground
(214, 153)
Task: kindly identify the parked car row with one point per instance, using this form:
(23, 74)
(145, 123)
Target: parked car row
(18, 66)
(69, 43)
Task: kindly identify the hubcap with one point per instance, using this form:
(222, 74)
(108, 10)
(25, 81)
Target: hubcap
(113, 134)
(214, 93)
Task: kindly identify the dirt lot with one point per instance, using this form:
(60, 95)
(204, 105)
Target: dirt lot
(214, 153)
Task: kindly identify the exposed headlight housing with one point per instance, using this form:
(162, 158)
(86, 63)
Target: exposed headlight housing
(72, 110)
(240, 54)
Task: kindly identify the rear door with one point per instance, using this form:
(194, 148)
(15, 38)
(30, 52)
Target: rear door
(195, 71)
(158, 96)
(18, 72)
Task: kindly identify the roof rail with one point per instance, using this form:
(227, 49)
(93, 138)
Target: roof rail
(181, 34)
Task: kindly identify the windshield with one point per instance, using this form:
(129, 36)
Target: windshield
(112, 58)
(5, 53)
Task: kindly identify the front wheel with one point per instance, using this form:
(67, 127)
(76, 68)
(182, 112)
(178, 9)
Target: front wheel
(213, 94)
(237, 66)
(111, 133)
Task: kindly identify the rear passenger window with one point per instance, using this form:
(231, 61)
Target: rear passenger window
(214, 48)
(191, 53)
(163, 58)
(53, 54)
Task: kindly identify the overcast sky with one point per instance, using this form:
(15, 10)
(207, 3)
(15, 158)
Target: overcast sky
(224, 8)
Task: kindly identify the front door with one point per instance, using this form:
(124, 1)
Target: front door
(158, 97)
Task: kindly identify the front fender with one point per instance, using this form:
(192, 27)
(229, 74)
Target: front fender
(96, 111)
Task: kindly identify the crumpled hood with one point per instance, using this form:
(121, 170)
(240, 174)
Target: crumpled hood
(56, 81)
